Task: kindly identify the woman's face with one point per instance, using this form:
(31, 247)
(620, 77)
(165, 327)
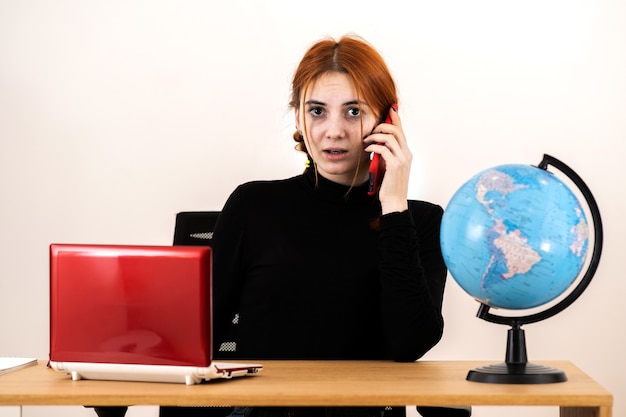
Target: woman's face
(334, 123)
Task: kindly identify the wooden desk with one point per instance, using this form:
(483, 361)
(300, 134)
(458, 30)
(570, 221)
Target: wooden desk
(319, 383)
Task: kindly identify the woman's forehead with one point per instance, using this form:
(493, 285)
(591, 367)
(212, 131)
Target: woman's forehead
(331, 83)
(333, 87)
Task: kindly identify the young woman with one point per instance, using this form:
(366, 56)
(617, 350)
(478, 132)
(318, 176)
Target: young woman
(312, 267)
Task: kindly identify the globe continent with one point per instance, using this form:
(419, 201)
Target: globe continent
(514, 237)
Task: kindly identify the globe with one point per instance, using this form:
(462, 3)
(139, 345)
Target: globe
(516, 237)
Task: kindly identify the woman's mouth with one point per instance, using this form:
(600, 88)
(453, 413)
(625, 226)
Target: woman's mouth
(336, 155)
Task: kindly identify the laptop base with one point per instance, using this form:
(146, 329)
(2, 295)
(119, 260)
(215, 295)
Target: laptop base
(188, 375)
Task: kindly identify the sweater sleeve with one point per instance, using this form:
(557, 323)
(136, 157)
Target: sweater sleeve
(413, 276)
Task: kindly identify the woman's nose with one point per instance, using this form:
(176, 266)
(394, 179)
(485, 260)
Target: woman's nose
(336, 128)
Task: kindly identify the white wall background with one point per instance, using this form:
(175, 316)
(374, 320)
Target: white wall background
(116, 115)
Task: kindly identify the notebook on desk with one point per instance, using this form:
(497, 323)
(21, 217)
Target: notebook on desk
(134, 313)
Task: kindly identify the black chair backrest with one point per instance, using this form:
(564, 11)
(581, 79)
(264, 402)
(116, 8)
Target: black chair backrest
(195, 228)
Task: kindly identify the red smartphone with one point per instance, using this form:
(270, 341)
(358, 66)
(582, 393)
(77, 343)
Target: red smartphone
(377, 164)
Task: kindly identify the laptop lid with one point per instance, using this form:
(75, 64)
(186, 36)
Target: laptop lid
(141, 305)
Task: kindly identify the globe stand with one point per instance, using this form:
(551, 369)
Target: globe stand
(516, 369)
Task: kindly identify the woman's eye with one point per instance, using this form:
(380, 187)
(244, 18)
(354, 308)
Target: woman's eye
(355, 112)
(316, 111)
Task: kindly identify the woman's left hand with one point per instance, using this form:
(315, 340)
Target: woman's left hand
(389, 141)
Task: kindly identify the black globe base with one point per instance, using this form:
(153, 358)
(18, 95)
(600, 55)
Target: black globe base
(515, 369)
(528, 373)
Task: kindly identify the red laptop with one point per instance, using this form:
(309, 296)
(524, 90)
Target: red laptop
(135, 313)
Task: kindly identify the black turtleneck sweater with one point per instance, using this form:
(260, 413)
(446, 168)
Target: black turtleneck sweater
(314, 272)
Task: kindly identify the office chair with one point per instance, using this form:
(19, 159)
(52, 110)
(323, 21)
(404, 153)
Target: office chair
(465, 411)
(196, 228)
